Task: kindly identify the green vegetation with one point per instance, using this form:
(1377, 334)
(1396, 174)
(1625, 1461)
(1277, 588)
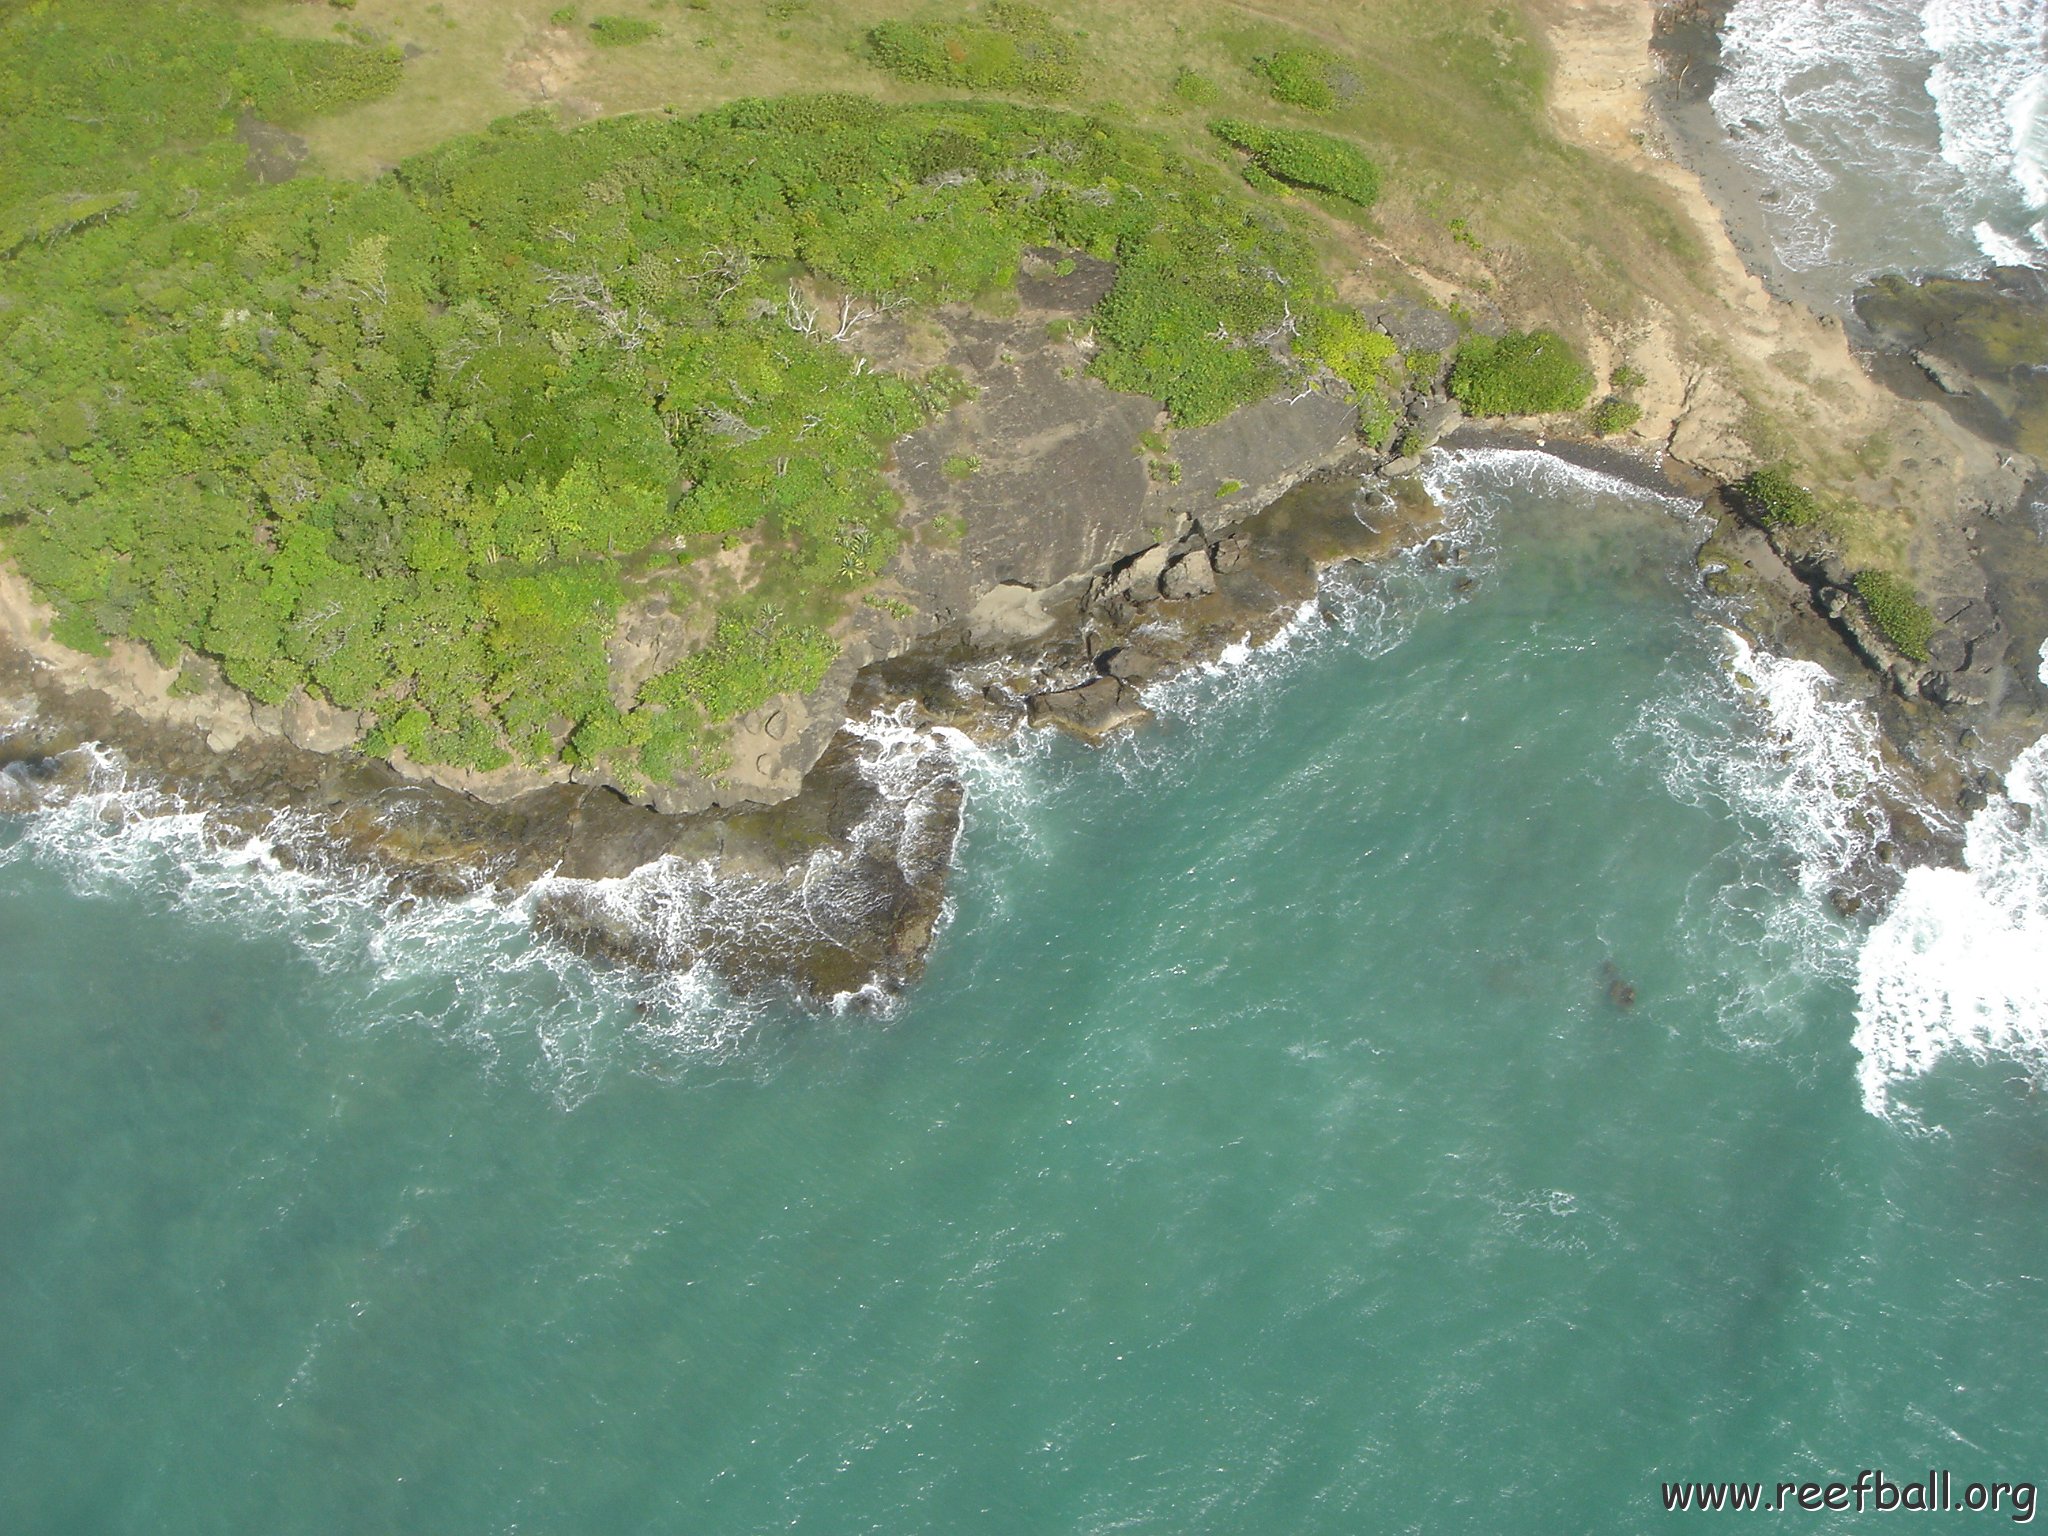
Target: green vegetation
(1897, 611)
(1776, 500)
(1015, 48)
(1525, 373)
(622, 31)
(1195, 88)
(961, 466)
(104, 99)
(1626, 377)
(1356, 353)
(1303, 158)
(414, 444)
(1874, 453)
(1612, 415)
(1229, 488)
(1298, 75)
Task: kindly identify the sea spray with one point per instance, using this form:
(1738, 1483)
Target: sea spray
(1959, 966)
(1990, 84)
(1776, 743)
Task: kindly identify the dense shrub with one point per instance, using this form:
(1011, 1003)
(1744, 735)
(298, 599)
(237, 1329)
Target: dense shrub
(1614, 415)
(1342, 342)
(1897, 611)
(1015, 47)
(414, 444)
(301, 79)
(1303, 76)
(1525, 373)
(1195, 88)
(1302, 158)
(1776, 500)
(91, 89)
(622, 31)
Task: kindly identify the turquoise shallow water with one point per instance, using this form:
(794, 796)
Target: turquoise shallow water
(1268, 1150)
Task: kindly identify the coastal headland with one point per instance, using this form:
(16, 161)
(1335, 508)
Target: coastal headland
(1063, 491)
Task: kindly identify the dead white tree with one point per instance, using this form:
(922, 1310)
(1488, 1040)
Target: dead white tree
(799, 314)
(729, 424)
(626, 326)
(726, 267)
(853, 314)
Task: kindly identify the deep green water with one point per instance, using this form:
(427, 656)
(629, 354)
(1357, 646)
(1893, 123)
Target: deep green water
(1267, 1151)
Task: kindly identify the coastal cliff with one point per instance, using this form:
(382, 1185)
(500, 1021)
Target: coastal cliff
(1064, 547)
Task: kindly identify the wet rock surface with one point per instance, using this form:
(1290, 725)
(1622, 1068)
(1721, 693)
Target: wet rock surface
(1978, 346)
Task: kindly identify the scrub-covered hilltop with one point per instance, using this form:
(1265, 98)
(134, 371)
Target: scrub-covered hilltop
(327, 372)
(414, 443)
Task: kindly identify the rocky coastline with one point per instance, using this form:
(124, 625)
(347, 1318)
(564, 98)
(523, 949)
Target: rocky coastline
(1050, 590)
(1953, 410)
(831, 893)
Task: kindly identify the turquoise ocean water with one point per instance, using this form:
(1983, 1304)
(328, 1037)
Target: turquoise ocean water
(1415, 1087)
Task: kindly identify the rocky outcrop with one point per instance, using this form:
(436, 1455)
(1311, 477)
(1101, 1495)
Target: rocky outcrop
(1966, 662)
(1090, 711)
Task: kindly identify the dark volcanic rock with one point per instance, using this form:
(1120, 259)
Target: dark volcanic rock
(834, 892)
(1090, 711)
(1189, 576)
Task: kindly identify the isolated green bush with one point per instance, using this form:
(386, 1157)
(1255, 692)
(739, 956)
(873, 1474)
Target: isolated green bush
(1524, 373)
(621, 31)
(1014, 47)
(1302, 76)
(1195, 88)
(1303, 158)
(1896, 610)
(1776, 500)
(1614, 415)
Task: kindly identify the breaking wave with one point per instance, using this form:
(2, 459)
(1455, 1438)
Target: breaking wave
(1919, 122)
(1959, 965)
(475, 967)
(1773, 742)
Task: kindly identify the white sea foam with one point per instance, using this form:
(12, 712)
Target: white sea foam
(1959, 965)
(1926, 113)
(1371, 609)
(469, 967)
(473, 967)
(1805, 93)
(1775, 742)
(1821, 778)
(2002, 250)
(1468, 481)
(1989, 80)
